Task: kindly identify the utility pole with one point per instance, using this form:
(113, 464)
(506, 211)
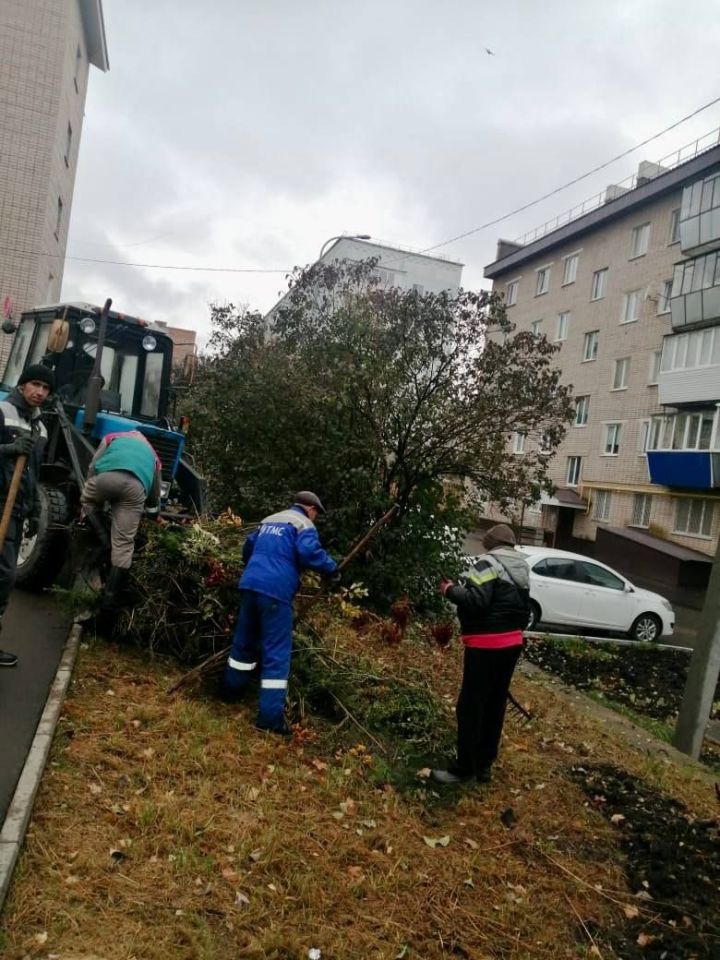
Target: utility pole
(703, 674)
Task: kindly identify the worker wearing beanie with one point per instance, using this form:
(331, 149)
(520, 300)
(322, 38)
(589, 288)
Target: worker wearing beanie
(22, 434)
(493, 606)
(284, 544)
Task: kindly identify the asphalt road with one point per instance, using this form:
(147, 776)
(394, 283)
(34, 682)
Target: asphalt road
(35, 629)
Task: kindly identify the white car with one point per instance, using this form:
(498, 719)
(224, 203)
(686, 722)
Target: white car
(571, 590)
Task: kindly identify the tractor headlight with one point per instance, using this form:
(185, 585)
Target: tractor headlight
(87, 325)
(149, 342)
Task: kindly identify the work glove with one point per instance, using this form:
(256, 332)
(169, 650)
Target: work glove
(445, 585)
(33, 523)
(20, 447)
(335, 578)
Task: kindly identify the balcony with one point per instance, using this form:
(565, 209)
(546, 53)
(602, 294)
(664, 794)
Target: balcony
(700, 216)
(689, 469)
(695, 295)
(690, 368)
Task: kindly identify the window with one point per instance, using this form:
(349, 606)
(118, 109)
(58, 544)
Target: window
(664, 301)
(639, 240)
(612, 439)
(563, 323)
(386, 277)
(675, 226)
(631, 306)
(536, 328)
(418, 288)
(572, 473)
(545, 443)
(58, 219)
(643, 437)
(599, 576)
(555, 567)
(68, 145)
(582, 406)
(570, 269)
(511, 291)
(620, 373)
(701, 348)
(599, 284)
(655, 359)
(590, 346)
(519, 442)
(683, 431)
(543, 281)
(641, 510)
(601, 506)
(693, 517)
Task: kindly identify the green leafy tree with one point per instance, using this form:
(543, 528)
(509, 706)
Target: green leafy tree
(372, 396)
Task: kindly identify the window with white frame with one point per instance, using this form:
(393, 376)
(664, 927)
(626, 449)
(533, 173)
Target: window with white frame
(519, 442)
(631, 306)
(562, 327)
(686, 351)
(582, 408)
(682, 431)
(573, 471)
(536, 328)
(599, 284)
(655, 359)
(613, 433)
(535, 507)
(511, 292)
(643, 437)
(542, 284)
(545, 444)
(675, 226)
(639, 240)
(642, 505)
(621, 368)
(590, 345)
(601, 506)
(693, 517)
(664, 301)
(570, 269)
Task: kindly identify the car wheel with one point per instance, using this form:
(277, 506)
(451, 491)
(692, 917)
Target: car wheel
(647, 628)
(534, 617)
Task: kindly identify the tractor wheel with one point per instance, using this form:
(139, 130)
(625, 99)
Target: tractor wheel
(41, 557)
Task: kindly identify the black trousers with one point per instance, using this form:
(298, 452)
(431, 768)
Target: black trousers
(481, 706)
(8, 561)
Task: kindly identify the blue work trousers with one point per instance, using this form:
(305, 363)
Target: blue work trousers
(263, 631)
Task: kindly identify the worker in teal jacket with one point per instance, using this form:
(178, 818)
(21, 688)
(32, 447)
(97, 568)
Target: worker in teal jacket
(125, 472)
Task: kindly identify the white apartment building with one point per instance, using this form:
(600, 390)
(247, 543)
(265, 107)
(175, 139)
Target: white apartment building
(46, 50)
(630, 291)
(396, 267)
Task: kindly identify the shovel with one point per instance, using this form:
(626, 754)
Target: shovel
(20, 465)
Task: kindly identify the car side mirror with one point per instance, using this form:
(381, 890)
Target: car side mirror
(628, 588)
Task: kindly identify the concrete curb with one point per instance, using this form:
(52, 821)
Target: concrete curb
(20, 809)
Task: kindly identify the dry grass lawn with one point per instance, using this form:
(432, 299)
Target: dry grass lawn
(167, 828)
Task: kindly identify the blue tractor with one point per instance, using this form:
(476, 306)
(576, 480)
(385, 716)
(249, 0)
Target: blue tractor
(113, 373)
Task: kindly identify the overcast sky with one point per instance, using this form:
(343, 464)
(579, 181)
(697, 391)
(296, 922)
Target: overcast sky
(244, 133)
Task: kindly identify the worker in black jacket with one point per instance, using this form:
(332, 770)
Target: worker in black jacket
(493, 606)
(22, 433)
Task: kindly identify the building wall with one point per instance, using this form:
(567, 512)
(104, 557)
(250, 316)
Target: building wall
(625, 474)
(403, 269)
(43, 84)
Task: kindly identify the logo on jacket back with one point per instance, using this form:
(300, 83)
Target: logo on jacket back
(273, 529)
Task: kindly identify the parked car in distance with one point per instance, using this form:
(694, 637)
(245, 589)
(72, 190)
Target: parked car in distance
(570, 590)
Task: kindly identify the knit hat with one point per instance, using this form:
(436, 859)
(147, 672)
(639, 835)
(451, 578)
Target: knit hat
(499, 536)
(306, 498)
(38, 371)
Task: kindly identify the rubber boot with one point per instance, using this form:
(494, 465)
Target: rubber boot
(113, 587)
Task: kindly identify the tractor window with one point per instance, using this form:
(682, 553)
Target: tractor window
(19, 352)
(153, 382)
(40, 346)
(127, 374)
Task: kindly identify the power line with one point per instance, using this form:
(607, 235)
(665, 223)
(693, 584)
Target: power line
(570, 183)
(149, 266)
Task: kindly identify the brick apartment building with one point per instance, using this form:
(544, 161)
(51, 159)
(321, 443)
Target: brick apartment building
(46, 50)
(631, 293)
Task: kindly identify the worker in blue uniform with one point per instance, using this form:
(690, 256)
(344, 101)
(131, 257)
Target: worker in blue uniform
(284, 545)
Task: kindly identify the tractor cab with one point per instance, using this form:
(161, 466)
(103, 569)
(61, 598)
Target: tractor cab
(112, 374)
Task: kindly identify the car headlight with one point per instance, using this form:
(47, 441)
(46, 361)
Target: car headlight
(667, 605)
